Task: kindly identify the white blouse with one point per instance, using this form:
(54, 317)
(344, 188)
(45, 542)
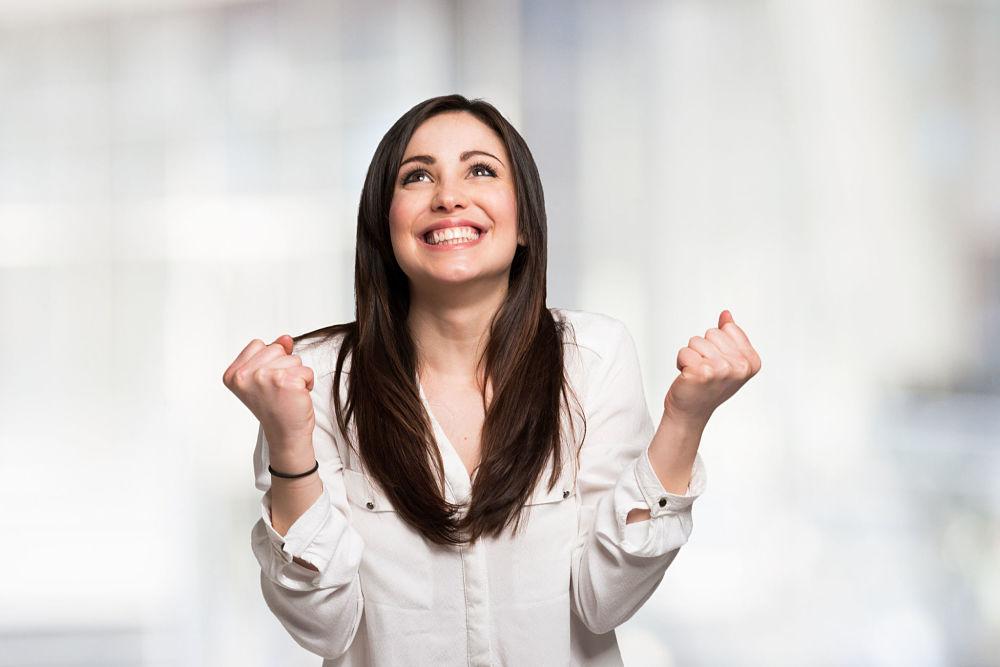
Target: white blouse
(551, 596)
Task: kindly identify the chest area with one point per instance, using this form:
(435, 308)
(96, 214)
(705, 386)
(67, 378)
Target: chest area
(460, 414)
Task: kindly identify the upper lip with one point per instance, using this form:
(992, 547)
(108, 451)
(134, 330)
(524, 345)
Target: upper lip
(453, 222)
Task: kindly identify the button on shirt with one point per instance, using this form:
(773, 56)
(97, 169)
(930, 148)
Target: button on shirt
(551, 595)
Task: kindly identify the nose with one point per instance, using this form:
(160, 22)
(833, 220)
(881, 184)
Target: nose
(448, 197)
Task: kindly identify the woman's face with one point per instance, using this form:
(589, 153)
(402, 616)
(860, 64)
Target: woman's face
(455, 170)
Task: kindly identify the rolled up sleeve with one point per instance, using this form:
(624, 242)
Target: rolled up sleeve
(321, 536)
(669, 525)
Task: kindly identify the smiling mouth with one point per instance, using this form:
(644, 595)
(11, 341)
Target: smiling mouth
(441, 239)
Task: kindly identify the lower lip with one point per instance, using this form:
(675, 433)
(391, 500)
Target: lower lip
(453, 246)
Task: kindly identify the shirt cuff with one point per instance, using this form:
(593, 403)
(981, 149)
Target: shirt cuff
(321, 536)
(302, 532)
(670, 523)
(661, 501)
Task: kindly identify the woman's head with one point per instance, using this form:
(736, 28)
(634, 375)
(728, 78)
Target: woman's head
(451, 159)
(455, 170)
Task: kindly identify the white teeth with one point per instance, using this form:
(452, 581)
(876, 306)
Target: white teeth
(452, 235)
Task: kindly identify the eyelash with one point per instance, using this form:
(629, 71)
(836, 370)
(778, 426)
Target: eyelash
(406, 177)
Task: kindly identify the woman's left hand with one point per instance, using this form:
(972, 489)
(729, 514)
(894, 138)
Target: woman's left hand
(713, 368)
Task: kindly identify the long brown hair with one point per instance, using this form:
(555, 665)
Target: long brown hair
(523, 358)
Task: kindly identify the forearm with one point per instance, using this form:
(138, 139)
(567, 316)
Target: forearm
(290, 498)
(671, 455)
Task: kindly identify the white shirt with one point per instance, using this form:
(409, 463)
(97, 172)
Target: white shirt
(551, 596)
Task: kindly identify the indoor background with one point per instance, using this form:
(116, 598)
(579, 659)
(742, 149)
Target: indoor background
(180, 177)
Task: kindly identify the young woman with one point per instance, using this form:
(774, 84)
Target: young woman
(462, 475)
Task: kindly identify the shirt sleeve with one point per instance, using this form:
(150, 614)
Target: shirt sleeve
(320, 610)
(617, 566)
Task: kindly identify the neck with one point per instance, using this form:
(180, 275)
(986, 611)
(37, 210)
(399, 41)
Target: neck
(450, 328)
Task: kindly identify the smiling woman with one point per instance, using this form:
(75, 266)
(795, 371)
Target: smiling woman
(463, 475)
(453, 217)
(455, 193)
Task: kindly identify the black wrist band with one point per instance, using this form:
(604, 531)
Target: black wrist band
(287, 476)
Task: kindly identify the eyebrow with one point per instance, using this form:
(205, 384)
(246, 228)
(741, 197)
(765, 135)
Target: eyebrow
(428, 159)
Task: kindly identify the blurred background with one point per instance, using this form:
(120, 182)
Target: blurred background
(179, 177)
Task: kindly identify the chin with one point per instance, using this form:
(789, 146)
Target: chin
(462, 276)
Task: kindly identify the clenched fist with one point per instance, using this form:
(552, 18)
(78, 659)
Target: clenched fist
(275, 385)
(712, 369)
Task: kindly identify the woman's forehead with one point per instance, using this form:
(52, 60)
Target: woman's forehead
(449, 134)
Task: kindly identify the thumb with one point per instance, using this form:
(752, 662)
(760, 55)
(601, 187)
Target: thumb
(286, 342)
(726, 316)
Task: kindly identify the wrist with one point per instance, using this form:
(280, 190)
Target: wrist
(279, 440)
(684, 421)
(293, 461)
(673, 451)
(307, 482)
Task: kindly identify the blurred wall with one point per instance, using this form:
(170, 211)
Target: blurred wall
(177, 178)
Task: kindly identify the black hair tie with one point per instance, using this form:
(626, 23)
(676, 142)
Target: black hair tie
(287, 476)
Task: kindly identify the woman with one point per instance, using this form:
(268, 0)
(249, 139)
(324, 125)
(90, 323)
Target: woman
(463, 476)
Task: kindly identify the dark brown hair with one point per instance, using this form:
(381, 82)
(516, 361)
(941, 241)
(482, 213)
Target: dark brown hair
(523, 358)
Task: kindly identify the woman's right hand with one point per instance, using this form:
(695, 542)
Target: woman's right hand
(275, 385)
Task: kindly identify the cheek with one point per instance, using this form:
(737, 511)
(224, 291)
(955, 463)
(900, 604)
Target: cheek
(399, 217)
(398, 230)
(395, 217)
(503, 210)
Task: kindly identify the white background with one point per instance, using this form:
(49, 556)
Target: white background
(177, 178)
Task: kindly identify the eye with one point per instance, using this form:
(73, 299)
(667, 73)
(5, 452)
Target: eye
(409, 174)
(484, 167)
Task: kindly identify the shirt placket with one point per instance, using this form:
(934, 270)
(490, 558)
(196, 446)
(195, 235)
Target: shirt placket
(475, 576)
